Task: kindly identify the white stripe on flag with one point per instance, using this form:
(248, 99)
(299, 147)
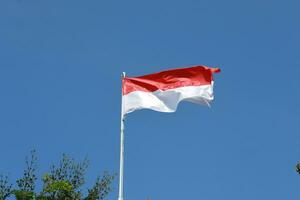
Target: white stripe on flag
(168, 100)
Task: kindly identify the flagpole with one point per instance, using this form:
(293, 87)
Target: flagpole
(121, 151)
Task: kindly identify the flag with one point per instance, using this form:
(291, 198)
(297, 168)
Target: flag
(164, 90)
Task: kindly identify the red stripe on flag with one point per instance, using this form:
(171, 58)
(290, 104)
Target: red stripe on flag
(170, 79)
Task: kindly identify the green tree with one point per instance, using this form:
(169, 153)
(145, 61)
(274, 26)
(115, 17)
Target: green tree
(63, 182)
(5, 187)
(26, 184)
(298, 168)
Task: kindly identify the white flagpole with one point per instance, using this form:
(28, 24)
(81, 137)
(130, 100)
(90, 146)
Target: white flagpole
(121, 151)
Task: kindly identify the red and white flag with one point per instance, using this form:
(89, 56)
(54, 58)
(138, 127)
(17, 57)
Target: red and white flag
(164, 90)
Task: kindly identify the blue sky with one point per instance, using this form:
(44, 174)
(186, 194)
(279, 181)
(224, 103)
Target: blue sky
(60, 67)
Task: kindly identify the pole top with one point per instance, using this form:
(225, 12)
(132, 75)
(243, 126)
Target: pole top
(123, 74)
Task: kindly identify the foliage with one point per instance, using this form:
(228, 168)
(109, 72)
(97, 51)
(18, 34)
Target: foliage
(62, 182)
(101, 188)
(5, 187)
(69, 170)
(27, 182)
(298, 168)
(58, 186)
(23, 195)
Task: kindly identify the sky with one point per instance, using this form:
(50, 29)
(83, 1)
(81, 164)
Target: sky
(60, 92)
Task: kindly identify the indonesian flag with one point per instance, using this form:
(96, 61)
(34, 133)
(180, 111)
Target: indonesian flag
(164, 90)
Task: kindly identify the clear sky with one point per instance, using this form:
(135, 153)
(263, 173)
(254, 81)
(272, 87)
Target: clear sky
(60, 67)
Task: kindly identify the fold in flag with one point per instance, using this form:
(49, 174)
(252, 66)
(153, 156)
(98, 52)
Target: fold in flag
(164, 90)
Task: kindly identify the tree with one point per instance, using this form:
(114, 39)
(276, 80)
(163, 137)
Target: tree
(5, 187)
(62, 182)
(298, 168)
